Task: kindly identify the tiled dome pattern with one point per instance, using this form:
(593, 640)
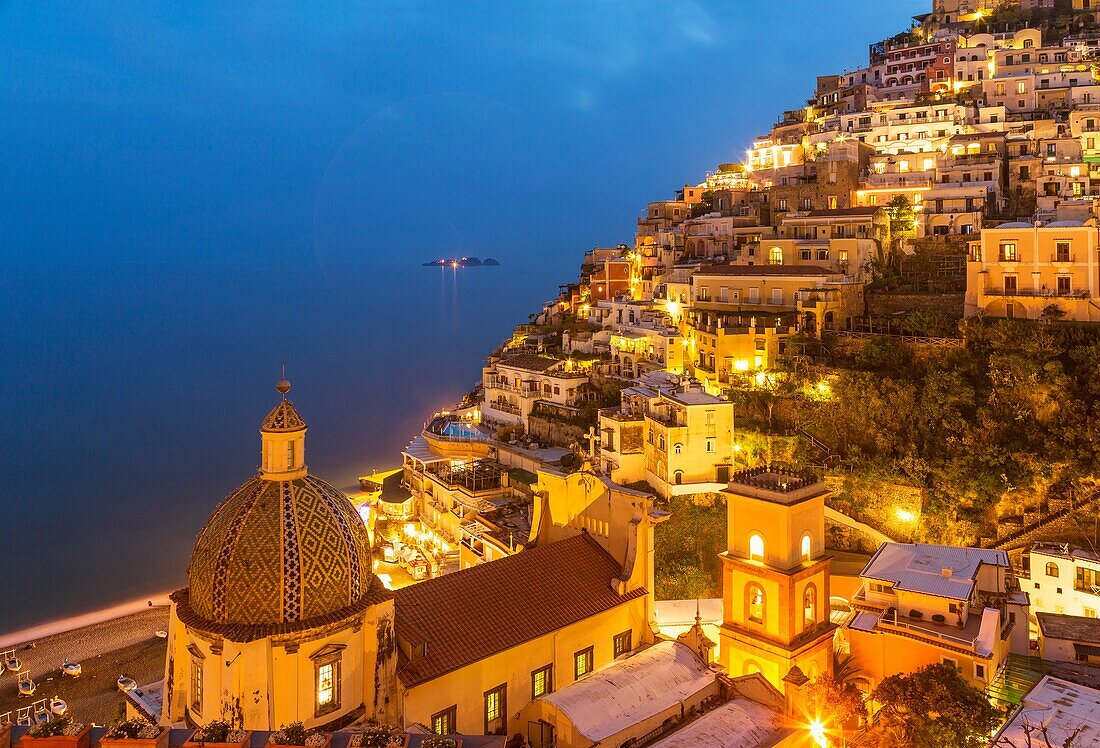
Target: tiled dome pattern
(283, 417)
(279, 552)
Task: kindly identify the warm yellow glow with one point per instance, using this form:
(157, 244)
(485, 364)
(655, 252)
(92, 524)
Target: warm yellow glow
(673, 308)
(760, 379)
(817, 732)
(905, 515)
(824, 387)
(741, 364)
(410, 528)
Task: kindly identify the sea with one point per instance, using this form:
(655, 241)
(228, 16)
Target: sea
(133, 394)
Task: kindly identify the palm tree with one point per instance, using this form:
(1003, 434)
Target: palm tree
(845, 669)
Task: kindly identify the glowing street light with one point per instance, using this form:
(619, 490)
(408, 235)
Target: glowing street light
(817, 732)
(905, 515)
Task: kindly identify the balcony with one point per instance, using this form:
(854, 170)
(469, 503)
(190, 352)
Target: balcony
(503, 407)
(1033, 293)
(1063, 257)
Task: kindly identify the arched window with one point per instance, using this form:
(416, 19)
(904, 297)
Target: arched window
(1052, 569)
(754, 603)
(775, 256)
(678, 477)
(756, 547)
(807, 549)
(678, 448)
(809, 606)
(751, 668)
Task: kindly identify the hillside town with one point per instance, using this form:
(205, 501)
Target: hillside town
(807, 462)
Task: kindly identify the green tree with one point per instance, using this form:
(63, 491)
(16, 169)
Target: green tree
(902, 220)
(834, 704)
(933, 708)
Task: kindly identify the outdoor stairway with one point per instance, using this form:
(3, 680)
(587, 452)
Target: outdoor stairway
(1016, 677)
(823, 456)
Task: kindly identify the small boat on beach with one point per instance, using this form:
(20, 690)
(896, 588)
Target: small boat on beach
(70, 668)
(11, 662)
(27, 686)
(161, 634)
(126, 684)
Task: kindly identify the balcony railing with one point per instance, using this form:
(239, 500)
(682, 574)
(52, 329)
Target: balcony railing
(1031, 292)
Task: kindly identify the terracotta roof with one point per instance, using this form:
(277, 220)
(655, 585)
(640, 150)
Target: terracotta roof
(869, 211)
(1076, 628)
(529, 362)
(765, 270)
(246, 632)
(469, 615)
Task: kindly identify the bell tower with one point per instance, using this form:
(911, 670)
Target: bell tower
(775, 581)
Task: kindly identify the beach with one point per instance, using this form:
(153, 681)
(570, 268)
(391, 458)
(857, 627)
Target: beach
(106, 643)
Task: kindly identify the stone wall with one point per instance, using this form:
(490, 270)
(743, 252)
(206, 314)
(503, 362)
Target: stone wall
(883, 304)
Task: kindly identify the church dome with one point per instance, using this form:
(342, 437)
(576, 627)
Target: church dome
(285, 547)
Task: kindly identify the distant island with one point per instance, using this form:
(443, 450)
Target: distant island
(462, 262)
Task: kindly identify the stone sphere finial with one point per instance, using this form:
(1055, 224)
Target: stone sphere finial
(283, 386)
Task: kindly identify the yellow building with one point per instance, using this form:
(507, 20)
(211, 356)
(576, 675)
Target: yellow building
(282, 619)
(669, 433)
(775, 583)
(926, 604)
(824, 299)
(1025, 271)
(476, 646)
(726, 348)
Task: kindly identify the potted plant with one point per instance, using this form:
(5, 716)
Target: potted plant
(297, 734)
(60, 732)
(135, 733)
(218, 734)
(378, 735)
(441, 742)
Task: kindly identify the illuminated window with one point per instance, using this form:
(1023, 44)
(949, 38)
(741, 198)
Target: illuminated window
(290, 455)
(443, 723)
(807, 550)
(196, 685)
(1052, 569)
(1008, 252)
(622, 643)
(542, 681)
(809, 605)
(326, 663)
(775, 256)
(495, 710)
(756, 547)
(582, 663)
(755, 603)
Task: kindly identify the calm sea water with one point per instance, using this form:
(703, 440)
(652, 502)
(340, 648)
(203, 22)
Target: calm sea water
(133, 394)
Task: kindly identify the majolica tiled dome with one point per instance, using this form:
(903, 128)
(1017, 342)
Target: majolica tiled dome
(280, 551)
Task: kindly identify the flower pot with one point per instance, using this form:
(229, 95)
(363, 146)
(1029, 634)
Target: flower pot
(79, 740)
(160, 741)
(326, 743)
(193, 743)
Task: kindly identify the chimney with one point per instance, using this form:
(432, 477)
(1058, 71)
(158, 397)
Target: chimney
(945, 571)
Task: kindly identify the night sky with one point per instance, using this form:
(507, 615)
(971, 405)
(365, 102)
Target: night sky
(193, 192)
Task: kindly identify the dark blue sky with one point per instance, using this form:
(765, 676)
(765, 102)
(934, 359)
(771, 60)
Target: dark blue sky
(136, 131)
(192, 192)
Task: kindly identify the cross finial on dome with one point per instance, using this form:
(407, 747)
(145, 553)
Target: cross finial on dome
(283, 385)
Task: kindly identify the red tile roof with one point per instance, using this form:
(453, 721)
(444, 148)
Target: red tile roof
(765, 270)
(529, 362)
(469, 615)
